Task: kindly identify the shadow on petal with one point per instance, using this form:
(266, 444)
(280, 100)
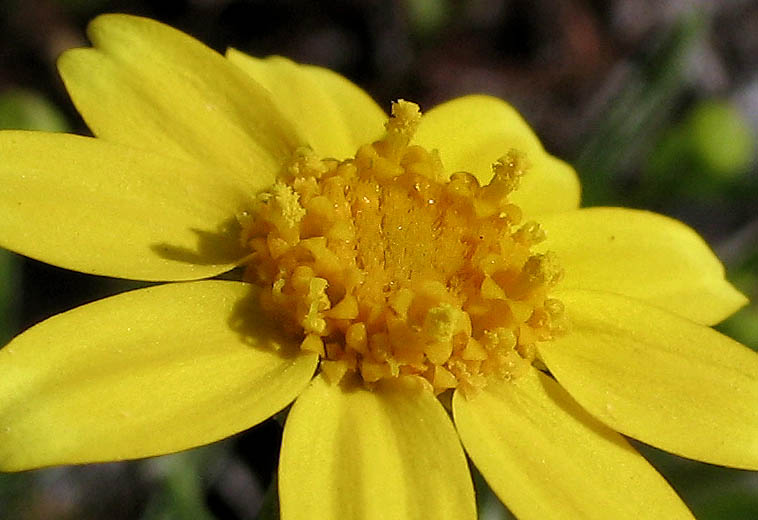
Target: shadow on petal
(219, 247)
(259, 330)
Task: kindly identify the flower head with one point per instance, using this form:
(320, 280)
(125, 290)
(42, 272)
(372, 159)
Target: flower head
(385, 266)
(386, 261)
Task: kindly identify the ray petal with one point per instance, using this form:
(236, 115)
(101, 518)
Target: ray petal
(657, 377)
(355, 454)
(144, 373)
(473, 132)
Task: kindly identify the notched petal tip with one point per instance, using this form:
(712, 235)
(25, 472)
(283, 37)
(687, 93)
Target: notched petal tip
(659, 378)
(334, 115)
(153, 87)
(643, 255)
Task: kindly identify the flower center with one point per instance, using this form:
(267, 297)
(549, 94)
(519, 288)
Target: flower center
(385, 266)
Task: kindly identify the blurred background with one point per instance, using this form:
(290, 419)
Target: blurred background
(654, 102)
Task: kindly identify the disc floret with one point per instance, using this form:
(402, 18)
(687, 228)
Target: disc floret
(385, 266)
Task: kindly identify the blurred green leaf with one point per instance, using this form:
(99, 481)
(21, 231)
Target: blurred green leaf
(721, 138)
(9, 290)
(21, 109)
(711, 492)
(25, 110)
(737, 501)
(633, 118)
(743, 326)
(427, 17)
(488, 504)
(182, 494)
(709, 149)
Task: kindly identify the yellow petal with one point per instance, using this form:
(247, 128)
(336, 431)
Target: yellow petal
(150, 86)
(100, 208)
(545, 457)
(472, 132)
(143, 373)
(333, 115)
(643, 255)
(659, 378)
(359, 454)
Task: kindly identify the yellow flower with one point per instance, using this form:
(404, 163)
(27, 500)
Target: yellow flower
(555, 329)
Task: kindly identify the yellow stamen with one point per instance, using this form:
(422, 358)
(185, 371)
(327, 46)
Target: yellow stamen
(386, 267)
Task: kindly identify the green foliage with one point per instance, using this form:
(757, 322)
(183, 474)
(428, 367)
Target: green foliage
(182, 493)
(29, 111)
(427, 17)
(720, 138)
(711, 148)
(25, 110)
(8, 295)
(630, 125)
